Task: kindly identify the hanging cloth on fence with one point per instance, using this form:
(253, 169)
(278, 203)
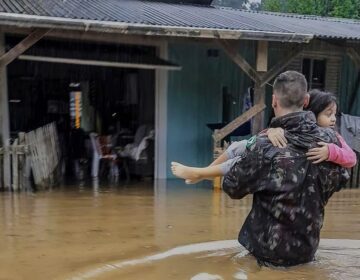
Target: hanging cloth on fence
(350, 130)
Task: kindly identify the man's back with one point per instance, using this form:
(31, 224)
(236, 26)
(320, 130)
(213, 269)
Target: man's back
(290, 193)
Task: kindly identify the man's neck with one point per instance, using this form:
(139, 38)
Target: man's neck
(280, 112)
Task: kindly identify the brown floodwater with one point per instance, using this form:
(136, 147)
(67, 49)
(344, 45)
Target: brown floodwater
(155, 230)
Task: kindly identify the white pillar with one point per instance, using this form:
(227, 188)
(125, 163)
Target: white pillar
(4, 115)
(161, 117)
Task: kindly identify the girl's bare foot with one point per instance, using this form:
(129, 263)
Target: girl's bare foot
(185, 172)
(191, 182)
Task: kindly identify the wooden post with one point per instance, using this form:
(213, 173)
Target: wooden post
(259, 91)
(259, 99)
(285, 61)
(23, 184)
(262, 56)
(217, 151)
(4, 117)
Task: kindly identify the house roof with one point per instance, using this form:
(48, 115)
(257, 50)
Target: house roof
(173, 19)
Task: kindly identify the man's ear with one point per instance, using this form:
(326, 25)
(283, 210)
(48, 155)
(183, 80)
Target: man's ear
(274, 101)
(306, 100)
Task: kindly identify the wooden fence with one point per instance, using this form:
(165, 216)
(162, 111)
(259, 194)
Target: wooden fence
(36, 151)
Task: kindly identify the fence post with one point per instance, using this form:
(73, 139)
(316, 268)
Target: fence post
(14, 161)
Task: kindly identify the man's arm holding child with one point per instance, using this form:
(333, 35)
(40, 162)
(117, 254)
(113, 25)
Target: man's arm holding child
(243, 178)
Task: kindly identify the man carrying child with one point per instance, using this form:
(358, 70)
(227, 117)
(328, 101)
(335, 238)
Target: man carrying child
(289, 191)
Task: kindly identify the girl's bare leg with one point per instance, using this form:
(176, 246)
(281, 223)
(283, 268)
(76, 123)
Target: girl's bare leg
(222, 158)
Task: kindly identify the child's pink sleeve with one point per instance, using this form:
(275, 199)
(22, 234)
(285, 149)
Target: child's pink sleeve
(343, 156)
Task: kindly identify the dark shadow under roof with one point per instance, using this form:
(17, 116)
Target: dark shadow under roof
(131, 56)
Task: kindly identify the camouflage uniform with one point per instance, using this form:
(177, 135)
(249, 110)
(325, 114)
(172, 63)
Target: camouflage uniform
(290, 192)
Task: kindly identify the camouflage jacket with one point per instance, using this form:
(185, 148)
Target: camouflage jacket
(289, 192)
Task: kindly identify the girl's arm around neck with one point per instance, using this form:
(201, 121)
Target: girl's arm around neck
(343, 155)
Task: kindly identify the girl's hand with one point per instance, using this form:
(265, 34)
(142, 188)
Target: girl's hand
(277, 137)
(319, 154)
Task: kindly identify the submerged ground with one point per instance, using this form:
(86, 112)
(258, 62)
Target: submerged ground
(130, 231)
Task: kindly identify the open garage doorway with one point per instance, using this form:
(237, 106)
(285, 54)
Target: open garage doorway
(88, 88)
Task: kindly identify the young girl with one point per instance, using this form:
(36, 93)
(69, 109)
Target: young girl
(322, 104)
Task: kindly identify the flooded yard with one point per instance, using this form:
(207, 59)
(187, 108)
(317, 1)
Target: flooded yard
(155, 230)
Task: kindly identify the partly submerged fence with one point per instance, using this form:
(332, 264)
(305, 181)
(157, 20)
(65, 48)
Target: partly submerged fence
(35, 152)
(44, 151)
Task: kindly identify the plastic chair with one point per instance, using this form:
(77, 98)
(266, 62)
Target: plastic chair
(99, 154)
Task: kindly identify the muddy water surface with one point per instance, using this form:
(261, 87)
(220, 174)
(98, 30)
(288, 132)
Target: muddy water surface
(154, 231)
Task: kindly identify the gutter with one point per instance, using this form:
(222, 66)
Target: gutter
(33, 21)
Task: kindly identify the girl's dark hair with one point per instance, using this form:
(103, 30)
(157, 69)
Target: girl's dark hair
(319, 100)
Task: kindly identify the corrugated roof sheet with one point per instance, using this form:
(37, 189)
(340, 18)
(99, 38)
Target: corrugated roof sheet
(184, 16)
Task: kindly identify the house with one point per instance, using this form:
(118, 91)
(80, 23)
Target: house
(178, 65)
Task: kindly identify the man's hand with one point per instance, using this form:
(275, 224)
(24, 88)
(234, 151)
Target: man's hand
(277, 137)
(319, 154)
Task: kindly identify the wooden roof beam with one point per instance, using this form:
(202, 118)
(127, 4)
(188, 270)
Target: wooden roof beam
(226, 130)
(232, 51)
(23, 46)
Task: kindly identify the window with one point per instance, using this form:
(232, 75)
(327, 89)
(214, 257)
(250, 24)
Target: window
(314, 71)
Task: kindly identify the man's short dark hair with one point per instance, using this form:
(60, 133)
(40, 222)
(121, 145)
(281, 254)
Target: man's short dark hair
(291, 88)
